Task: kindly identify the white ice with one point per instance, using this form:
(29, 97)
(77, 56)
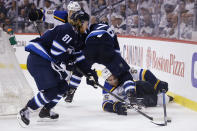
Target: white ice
(86, 114)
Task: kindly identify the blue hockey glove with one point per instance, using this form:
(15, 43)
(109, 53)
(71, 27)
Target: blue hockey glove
(120, 108)
(92, 78)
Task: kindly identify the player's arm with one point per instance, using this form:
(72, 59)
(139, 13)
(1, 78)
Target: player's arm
(61, 48)
(84, 66)
(147, 75)
(110, 104)
(55, 17)
(49, 16)
(66, 52)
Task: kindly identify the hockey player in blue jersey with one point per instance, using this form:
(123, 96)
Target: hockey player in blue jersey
(58, 18)
(47, 53)
(148, 89)
(102, 47)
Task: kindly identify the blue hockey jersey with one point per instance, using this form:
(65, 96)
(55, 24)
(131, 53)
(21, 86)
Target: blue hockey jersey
(97, 30)
(56, 44)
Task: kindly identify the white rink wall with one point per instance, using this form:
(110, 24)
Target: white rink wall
(171, 61)
(22, 40)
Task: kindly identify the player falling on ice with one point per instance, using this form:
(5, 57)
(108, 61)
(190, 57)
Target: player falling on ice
(148, 89)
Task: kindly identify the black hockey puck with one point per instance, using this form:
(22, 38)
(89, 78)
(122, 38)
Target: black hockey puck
(168, 120)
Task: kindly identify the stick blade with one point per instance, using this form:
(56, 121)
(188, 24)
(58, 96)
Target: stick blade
(160, 121)
(159, 124)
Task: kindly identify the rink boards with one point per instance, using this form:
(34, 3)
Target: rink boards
(173, 61)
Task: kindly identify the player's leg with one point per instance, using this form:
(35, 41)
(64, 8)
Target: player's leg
(46, 111)
(75, 80)
(146, 91)
(147, 75)
(47, 81)
(39, 100)
(151, 97)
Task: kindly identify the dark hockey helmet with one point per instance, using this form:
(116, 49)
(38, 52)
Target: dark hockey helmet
(78, 18)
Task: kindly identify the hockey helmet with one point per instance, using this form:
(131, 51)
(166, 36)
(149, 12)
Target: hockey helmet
(106, 74)
(77, 18)
(74, 6)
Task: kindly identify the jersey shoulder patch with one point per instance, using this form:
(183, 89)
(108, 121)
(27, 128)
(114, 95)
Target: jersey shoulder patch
(61, 16)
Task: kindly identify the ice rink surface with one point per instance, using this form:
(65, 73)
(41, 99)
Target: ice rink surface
(86, 114)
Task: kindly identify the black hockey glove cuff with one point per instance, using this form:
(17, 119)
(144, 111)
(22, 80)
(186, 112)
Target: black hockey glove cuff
(120, 108)
(162, 85)
(131, 95)
(35, 14)
(92, 78)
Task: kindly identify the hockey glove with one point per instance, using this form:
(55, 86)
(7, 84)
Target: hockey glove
(92, 78)
(131, 95)
(35, 14)
(69, 61)
(70, 64)
(162, 85)
(120, 108)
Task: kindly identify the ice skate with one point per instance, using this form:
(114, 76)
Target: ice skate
(23, 117)
(46, 115)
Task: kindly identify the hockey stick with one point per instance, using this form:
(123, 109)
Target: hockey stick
(153, 120)
(36, 26)
(164, 107)
(166, 119)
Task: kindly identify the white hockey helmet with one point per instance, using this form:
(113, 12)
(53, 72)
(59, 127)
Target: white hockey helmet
(74, 6)
(106, 74)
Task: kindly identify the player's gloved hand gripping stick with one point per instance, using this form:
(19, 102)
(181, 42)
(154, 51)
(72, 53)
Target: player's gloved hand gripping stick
(157, 121)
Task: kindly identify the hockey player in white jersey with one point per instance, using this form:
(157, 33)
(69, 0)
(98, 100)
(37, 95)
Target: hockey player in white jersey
(146, 89)
(54, 16)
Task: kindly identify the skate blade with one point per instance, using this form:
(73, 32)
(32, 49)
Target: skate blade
(46, 120)
(21, 123)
